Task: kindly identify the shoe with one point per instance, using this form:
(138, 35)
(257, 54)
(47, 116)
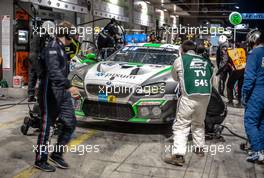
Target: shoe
(255, 157)
(59, 161)
(199, 152)
(177, 160)
(32, 99)
(44, 166)
(239, 105)
(230, 104)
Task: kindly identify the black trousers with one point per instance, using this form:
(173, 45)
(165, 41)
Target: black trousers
(32, 81)
(235, 76)
(54, 103)
(222, 81)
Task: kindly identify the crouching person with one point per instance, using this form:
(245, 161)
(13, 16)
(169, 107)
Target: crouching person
(194, 74)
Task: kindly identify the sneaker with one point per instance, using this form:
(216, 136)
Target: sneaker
(177, 160)
(230, 104)
(199, 152)
(59, 161)
(239, 105)
(44, 166)
(255, 157)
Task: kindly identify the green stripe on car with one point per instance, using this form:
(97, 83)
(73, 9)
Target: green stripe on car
(154, 45)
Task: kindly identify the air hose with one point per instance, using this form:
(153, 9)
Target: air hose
(10, 105)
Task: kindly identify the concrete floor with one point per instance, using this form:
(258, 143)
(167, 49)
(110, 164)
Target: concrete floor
(125, 150)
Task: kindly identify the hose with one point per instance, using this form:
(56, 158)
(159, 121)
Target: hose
(235, 134)
(10, 105)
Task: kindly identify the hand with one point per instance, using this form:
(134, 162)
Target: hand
(74, 92)
(244, 99)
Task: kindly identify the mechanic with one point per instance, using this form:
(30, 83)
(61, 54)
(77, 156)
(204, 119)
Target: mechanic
(74, 48)
(37, 43)
(194, 74)
(252, 96)
(237, 63)
(54, 99)
(221, 57)
(32, 81)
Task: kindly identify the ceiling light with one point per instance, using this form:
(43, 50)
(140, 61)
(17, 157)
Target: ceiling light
(147, 2)
(237, 7)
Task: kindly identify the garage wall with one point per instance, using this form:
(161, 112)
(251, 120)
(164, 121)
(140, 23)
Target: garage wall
(6, 8)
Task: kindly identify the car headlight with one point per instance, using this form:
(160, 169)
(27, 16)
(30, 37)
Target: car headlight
(144, 111)
(77, 81)
(151, 89)
(156, 111)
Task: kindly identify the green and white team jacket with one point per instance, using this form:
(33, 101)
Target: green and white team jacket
(194, 74)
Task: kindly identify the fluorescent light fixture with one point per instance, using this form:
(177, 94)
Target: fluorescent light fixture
(147, 2)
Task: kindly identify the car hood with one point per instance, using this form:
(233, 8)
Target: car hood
(124, 72)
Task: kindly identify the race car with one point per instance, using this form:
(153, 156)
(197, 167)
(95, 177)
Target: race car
(133, 85)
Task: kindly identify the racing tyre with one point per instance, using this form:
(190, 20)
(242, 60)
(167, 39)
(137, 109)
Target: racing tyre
(24, 129)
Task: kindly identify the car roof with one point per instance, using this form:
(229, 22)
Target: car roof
(154, 45)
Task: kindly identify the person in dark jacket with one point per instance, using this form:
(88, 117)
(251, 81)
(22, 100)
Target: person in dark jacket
(54, 99)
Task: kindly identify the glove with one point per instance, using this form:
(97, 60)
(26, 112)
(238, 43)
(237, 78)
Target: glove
(244, 99)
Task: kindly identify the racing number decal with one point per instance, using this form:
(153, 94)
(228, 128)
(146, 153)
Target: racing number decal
(200, 82)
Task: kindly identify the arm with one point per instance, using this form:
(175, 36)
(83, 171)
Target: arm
(250, 74)
(54, 71)
(176, 68)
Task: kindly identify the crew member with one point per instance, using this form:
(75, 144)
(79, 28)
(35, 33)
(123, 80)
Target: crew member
(237, 60)
(55, 100)
(253, 97)
(37, 44)
(74, 48)
(194, 74)
(222, 63)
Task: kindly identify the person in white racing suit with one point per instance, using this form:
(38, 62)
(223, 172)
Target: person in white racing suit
(194, 74)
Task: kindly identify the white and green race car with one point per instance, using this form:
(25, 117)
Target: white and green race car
(133, 85)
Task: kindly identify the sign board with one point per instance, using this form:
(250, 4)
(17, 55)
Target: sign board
(253, 16)
(64, 5)
(235, 18)
(5, 43)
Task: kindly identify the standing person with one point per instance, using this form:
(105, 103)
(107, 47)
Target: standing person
(237, 61)
(37, 44)
(221, 60)
(253, 97)
(32, 81)
(54, 99)
(194, 73)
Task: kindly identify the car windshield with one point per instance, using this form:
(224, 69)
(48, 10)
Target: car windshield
(146, 55)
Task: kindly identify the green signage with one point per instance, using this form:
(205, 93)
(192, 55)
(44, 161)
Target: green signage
(235, 18)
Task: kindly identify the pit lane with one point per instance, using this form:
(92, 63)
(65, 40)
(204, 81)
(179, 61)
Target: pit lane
(126, 150)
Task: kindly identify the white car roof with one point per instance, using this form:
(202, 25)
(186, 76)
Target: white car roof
(170, 46)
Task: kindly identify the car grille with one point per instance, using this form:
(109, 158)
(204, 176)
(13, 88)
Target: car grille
(119, 92)
(108, 110)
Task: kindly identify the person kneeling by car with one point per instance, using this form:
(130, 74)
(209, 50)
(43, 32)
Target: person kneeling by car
(194, 74)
